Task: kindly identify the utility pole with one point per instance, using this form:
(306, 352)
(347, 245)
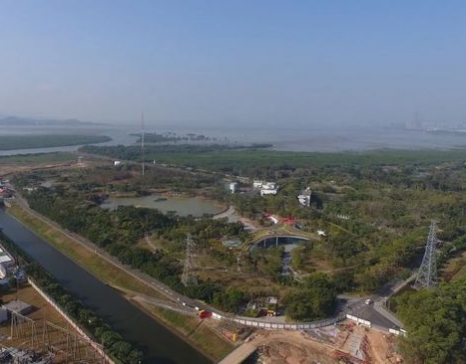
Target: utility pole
(142, 142)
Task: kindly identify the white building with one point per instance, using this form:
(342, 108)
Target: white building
(116, 163)
(266, 188)
(304, 197)
(268, 192)
(6, 263)
(233, 187)
(257, 184)
(3, 272)
(269, 186)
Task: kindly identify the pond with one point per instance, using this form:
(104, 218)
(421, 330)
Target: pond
(181, 206)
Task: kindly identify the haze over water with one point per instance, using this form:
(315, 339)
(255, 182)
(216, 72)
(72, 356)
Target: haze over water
(330, 139)
(333, 138)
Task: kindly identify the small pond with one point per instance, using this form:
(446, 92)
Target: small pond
(181, 206)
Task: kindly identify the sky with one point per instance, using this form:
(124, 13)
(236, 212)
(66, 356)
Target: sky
(234, 62)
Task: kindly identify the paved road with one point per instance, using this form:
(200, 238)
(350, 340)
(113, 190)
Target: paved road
(165, 304)
(232, 216)
(226, 214)
(369, 313)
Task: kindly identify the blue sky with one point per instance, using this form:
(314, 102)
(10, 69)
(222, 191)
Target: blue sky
(248, 62)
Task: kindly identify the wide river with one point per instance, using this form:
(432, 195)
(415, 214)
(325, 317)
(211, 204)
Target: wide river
(158, 343)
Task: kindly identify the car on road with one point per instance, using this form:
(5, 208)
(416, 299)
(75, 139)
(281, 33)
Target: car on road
(368, 301)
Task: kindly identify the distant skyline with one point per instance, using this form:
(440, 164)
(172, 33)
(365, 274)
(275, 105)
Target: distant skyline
(243, 62)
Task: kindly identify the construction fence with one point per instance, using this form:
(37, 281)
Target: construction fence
(369, 324)
(284, 326)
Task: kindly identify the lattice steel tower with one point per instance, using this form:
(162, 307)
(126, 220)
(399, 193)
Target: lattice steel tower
(187, 277)
(427, 275)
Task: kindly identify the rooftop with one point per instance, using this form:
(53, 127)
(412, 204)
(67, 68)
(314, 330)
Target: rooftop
(18, 306)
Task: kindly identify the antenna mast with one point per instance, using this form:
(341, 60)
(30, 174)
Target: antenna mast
(142, 142)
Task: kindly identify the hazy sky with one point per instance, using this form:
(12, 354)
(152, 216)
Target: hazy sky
(220, 61)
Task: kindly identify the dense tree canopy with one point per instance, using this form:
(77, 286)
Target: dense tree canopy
(436, 324)
(314, 299)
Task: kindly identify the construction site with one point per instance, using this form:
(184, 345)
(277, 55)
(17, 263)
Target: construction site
(32, 331)
(346, 343)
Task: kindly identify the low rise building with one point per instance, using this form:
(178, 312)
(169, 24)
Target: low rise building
(304, 197)
(257, 184)
(18, 306)
(265, 192)
(265, 188)
(233, 187)
(7, 263)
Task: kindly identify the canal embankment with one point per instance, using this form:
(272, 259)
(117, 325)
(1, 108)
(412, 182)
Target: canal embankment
(158, 343)
(113, 273)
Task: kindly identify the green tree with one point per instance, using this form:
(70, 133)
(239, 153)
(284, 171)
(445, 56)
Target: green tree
(312, 300)
(435, 321)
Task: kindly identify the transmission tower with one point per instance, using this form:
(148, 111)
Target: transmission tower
(427, 275)
(187, 277)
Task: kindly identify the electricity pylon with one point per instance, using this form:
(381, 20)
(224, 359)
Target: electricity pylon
(187, 277)
(427, 275)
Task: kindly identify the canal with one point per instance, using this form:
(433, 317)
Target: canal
(158, 343)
